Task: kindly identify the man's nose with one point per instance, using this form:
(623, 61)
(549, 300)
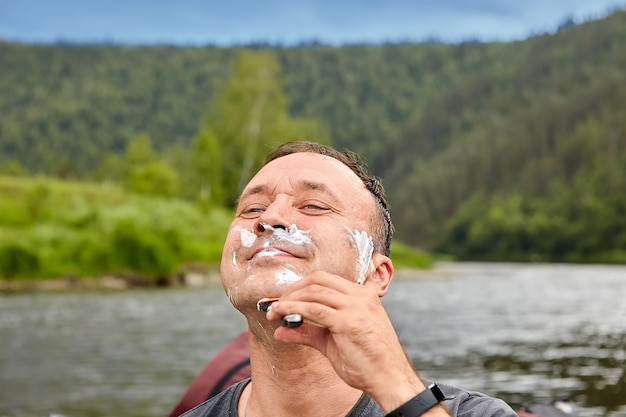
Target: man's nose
(262, 227)
(274, 216)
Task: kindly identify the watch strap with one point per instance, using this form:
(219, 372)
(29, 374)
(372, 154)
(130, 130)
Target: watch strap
(419, 404)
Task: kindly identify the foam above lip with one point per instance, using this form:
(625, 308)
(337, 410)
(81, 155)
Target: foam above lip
(292, 235)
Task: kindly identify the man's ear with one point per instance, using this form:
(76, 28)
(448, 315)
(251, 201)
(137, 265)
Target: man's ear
(382, 275)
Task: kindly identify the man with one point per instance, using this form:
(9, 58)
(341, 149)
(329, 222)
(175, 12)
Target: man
(312, 228)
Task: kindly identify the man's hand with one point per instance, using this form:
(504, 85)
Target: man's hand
(347, 323)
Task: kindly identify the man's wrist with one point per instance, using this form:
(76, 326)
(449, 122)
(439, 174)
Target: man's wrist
(419, 404)
(393, 394)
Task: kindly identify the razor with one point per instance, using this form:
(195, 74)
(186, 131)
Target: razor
(288, 320)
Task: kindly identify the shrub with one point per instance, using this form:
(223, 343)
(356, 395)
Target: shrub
(141, 250)
(17, 260)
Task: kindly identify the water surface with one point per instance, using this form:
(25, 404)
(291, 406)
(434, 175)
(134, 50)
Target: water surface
(520, 332)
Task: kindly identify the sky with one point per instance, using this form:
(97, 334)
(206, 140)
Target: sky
(287, 22)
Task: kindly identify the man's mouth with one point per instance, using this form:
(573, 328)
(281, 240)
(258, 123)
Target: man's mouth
(269, 252)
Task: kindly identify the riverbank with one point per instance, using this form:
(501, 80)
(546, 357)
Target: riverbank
(193, 276)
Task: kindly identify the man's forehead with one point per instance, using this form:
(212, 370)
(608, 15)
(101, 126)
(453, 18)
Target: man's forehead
(296, 184)
(306, 157)
(311, 165)
(305, 171)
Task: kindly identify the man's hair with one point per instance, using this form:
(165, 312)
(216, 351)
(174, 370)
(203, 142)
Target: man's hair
(382, 227)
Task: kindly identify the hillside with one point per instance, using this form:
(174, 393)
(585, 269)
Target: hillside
(460, 133)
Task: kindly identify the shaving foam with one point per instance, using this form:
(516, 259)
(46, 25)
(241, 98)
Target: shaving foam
(287, 276)
(364, 244)
(246, 236)
(292, 235)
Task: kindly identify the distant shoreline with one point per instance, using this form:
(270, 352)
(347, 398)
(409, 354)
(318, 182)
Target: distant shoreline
(193, 279)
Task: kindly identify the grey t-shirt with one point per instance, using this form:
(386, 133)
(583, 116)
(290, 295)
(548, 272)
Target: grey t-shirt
(461, 403)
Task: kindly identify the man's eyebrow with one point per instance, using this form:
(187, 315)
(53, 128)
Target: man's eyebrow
(258, 189)
(306, 185)
(318, 186)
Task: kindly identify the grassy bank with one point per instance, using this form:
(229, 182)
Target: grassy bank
(52, 229)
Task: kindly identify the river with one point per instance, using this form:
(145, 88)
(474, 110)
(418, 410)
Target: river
(523, 332)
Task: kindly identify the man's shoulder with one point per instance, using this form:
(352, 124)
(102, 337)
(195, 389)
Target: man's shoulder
(464, 403)
(221, 405)
(460, 403)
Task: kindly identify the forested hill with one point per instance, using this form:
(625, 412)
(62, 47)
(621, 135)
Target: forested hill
(489, 150)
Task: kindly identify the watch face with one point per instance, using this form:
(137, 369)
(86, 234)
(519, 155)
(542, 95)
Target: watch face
(434, 388)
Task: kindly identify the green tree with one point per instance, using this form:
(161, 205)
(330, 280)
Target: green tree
(147, 174)
(207, 177)
(249, 115)
(112, 167)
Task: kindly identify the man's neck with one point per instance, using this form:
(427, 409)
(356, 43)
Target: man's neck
(290, 380)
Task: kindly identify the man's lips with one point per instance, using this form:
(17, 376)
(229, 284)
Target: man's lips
(271, 251)
(268, 252)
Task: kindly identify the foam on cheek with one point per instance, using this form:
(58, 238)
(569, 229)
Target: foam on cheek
(365, 248)
(247, 239)
(246, 236)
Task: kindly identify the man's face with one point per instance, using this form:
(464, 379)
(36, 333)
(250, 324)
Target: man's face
(301, 213)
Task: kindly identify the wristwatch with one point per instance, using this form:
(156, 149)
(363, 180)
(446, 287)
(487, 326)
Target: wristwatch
(419, 404)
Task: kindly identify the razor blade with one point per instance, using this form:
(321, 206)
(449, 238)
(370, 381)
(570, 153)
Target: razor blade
(288, 320)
